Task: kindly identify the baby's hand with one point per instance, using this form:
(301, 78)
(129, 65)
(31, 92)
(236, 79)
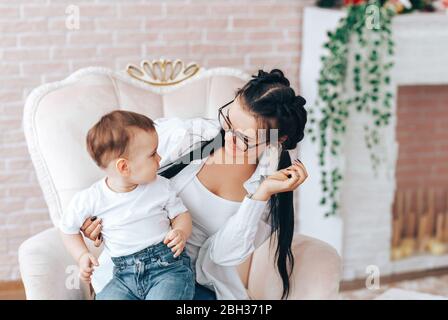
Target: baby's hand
(86, 262)
(176, 240)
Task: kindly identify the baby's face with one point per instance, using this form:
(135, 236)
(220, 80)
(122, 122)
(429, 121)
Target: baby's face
(143, 159)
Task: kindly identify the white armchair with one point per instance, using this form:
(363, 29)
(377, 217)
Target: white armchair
(56, 119)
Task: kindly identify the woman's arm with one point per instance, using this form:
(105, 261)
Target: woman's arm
(235, 241)
(230, 246)
(248, 227)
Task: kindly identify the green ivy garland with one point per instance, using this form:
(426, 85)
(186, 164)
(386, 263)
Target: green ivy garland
(372, 62)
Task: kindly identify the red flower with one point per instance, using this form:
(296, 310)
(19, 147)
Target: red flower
(353, 2)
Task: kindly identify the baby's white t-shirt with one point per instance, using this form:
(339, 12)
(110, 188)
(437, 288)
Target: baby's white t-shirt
(132, 220)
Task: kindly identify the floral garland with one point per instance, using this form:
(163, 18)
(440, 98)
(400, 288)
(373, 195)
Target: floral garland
(400, 6)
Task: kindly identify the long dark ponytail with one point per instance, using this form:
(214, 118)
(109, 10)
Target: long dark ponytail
(269, 97)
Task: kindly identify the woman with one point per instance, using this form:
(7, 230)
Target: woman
(238, 189)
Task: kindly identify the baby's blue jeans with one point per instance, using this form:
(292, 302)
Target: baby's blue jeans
(151, 274)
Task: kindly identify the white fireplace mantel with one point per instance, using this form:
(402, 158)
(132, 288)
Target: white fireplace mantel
(362, 233)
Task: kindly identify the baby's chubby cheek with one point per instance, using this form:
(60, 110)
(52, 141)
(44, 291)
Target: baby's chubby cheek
(152, 175)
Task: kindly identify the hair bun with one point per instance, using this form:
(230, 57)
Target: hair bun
(261, 74)
(277, 72)
(275, 76)
(300, 100)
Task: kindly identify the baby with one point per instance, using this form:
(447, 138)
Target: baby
(145, 225)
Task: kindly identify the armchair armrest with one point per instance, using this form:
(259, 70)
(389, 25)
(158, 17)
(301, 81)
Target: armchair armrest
(48, 271)
(316, 273)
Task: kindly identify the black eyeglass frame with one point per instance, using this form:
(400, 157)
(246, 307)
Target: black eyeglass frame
(235, 134)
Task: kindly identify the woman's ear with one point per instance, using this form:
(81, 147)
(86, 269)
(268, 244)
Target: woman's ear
(122, 167)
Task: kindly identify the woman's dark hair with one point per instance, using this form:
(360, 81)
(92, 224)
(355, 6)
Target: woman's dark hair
(269, 97)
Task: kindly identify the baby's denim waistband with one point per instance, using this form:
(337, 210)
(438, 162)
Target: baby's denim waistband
(150, 253)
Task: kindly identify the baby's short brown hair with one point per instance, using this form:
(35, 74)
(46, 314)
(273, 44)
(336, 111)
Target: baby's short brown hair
(109, 138)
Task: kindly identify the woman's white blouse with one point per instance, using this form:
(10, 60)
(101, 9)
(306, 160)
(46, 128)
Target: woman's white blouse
(231, 237)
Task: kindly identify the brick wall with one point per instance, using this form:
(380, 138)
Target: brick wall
(36, 47)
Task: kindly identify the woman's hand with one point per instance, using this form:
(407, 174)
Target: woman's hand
(91, 229)
(284, 180)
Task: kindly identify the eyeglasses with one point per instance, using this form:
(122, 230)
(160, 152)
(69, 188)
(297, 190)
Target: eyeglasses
(239, 139)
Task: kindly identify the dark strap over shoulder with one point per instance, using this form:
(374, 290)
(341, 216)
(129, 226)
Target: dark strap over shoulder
(177, 166)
